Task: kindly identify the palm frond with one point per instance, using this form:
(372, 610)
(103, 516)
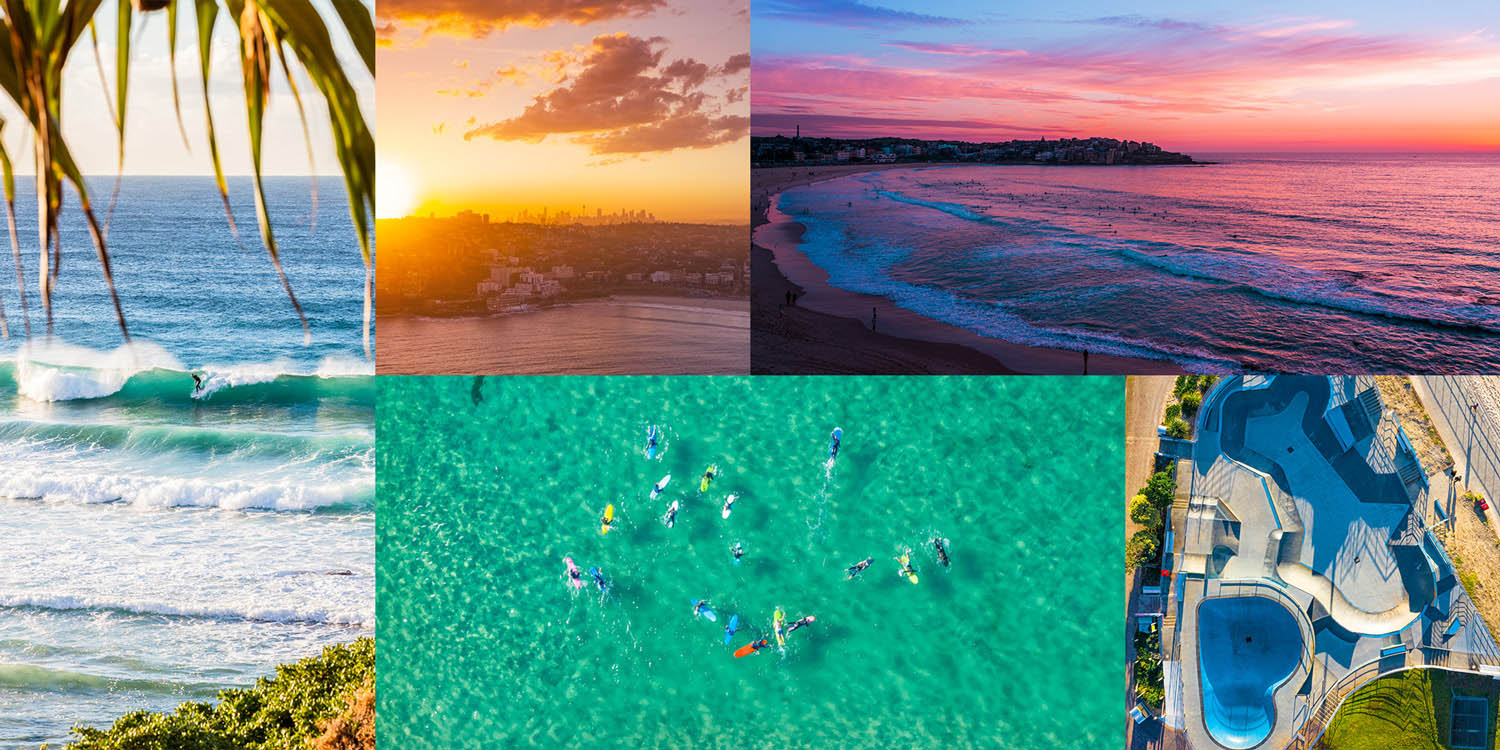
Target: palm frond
(37, 38)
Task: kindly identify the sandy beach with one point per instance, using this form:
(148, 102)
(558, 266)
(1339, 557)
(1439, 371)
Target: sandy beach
(828, 329)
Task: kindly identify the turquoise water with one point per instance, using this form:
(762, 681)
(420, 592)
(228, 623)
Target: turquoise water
(484, 644)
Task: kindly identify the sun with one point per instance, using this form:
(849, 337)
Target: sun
(395, 195)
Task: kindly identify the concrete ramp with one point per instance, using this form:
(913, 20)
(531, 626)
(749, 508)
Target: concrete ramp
(1348, 616)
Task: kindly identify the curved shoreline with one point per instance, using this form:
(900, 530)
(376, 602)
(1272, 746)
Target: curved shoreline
(828, 320)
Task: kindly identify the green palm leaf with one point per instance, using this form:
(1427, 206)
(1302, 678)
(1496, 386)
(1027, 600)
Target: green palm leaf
(38, 37)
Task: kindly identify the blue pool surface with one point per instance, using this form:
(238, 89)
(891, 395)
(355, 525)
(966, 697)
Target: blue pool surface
(1247, 647)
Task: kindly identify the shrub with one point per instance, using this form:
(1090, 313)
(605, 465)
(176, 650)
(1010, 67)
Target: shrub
(1150, 684)
(1160, 489)
(1190, 403)
(1141, 549)
(1173, 411)
(1179, 429)
(1143, 512)
(289, 710)
(1184, 384)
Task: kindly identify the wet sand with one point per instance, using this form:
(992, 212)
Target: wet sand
(828, 330)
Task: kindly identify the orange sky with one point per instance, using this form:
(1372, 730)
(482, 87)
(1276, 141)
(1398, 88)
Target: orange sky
(503, 105)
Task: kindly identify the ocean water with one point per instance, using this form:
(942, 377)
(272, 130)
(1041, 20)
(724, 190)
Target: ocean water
(162, 544)
(1016, 645)
(618, 336)
(1303, 263)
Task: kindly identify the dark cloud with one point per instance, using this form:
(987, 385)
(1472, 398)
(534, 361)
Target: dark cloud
(847, 14)
(690, 72)
(623, 100)
(736, 63)
(480, 18)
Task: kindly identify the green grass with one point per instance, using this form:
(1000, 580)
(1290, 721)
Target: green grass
(1470, 580)
(1407, 710)
(279, 713)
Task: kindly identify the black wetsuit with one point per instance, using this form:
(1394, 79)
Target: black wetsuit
(942, 553)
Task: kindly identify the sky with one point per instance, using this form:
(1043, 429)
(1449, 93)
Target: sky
(154, 145)
(1189, 76)
(500, 106)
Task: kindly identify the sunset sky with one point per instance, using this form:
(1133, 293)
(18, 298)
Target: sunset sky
(503, 105)
(1189, 76)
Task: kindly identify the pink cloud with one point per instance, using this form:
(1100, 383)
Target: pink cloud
(1205, 71)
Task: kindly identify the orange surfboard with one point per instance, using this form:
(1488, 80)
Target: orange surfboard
(749, 648)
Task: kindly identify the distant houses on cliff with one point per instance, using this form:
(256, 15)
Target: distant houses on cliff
(781, 150)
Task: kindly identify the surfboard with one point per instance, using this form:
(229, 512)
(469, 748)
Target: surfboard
(573, 570)
(656, 490)
(651, 441)
(905, 561)
(609, 517)
(670, 519)
(708, 477)
(707, 613)
(734, 624)
(598, 577)
(833, 443)
(729, 505)
(747, 649)
(780, 623)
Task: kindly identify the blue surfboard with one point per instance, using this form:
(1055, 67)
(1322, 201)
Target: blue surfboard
(651, 441)
(706, 612)
(734, 624)
(598, 578)
(833, 445)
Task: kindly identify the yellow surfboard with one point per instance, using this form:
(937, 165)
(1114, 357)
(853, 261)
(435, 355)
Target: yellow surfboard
(906, 570)
(609, 518)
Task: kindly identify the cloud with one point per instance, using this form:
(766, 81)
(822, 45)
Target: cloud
(848, 14)
(1147, 22)
(512, 74)
(1207, 70)
(695, 130)
(480, 18)
(736, 63)
(622, 99)
(689, 72)
(962, 50)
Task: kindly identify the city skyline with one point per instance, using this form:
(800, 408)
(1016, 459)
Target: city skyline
(1204, 77)
(508, 107)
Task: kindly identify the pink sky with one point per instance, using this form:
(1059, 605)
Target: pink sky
(1282, 83)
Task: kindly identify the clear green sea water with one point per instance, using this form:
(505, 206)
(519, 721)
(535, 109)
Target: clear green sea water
(1017, 645)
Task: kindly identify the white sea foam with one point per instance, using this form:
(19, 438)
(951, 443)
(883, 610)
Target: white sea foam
(55, 371)
(340, 366)
(242, 611)
(232, 494)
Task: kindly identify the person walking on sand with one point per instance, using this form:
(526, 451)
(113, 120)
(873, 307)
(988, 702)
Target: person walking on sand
(1085, 361)
(873, 313)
